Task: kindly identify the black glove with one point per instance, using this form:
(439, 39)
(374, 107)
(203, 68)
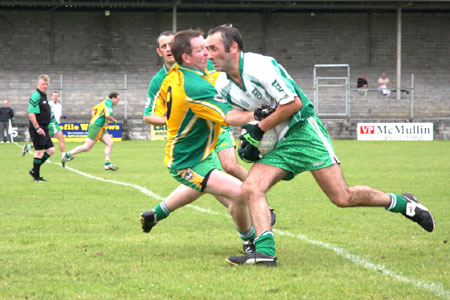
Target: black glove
(262, 112)
(248, 151)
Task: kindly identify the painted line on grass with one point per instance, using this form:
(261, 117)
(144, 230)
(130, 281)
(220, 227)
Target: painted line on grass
(435, 288)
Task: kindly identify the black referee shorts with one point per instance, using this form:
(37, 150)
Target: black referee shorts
(40, 142)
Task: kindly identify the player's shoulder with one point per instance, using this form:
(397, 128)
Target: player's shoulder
(108, 102)
(256, 59)
(222, 81)
(159, 77)
(36, 96)
(196, 86)
(256, 64)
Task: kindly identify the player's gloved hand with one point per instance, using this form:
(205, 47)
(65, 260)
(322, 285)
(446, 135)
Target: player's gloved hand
(253, 134)
(262, 112)
(248, 151)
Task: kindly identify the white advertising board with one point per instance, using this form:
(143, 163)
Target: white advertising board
(395, 132)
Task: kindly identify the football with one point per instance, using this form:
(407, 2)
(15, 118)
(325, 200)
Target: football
(268, 141)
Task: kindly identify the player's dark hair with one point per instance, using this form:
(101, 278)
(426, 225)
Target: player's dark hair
(182, 43)
(229, 34)
(165, 33)
(113, 95)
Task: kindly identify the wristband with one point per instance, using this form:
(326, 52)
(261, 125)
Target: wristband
(37, 128)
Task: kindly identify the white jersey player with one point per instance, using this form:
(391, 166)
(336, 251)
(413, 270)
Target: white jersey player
(252, 80)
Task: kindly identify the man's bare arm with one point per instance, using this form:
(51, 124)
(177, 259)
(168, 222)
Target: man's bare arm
(111, 118)
(33, 120)
(281, 114)
(237, 117)
(155, 120)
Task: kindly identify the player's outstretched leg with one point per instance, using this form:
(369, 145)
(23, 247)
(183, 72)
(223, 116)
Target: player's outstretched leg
(417, 212)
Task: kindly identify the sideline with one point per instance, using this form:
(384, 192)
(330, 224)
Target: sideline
(435, 288)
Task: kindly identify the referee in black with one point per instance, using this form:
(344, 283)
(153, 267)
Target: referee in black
(39, 114)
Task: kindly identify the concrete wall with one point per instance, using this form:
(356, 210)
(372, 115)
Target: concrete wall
(88, 55)
(126, 39)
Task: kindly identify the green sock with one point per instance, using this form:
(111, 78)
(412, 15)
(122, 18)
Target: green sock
(248, 235)
(45, 157)
(107, 163)
(265, 243)
(398, 203)
(162, 211)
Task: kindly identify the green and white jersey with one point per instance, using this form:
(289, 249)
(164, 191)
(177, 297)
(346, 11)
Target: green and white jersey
(265, 82)
(56, 108)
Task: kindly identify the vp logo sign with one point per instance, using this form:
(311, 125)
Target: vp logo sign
(367, 130)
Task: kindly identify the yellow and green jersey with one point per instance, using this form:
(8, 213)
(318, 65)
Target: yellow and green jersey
(194, 116)
(101, 111)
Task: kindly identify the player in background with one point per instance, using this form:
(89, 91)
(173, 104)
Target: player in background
(163, 49)
(39, 115)
(194, 120)
(225, 148)
(304, 145)
(102, 114)
(53, 127)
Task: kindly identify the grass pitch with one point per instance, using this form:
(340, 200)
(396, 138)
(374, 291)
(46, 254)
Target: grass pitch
(78, 235)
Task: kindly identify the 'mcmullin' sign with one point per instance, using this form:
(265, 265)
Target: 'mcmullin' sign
(395, 131)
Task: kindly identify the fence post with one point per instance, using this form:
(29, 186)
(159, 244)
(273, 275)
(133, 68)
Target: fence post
(125, 94)
(61, 90)
(412, 97)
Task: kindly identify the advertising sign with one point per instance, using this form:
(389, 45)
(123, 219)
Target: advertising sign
(77, 132)
(158, 132)
(395, 131)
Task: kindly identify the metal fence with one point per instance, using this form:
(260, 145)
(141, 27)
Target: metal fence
(79, 95)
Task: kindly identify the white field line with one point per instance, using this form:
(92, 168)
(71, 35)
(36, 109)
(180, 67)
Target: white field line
(435, 288)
